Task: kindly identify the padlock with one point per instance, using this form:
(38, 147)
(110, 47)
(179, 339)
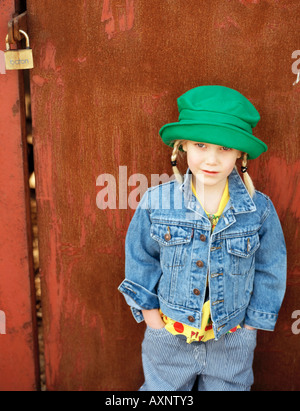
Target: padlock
(18, 59)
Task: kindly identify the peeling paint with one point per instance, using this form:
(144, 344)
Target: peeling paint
(39, 80)
(80, 60)
(47, 56)
(16, 108)
(151, 103)
(247, 2)
(117, 17)
(227, 23)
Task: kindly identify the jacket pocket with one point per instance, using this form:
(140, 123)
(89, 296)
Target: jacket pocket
(243, 246)
(175, 255)
(242, 251)
(173, 240)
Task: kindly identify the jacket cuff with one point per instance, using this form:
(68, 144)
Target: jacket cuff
(135, 309)
(260, 320)
(138, 298)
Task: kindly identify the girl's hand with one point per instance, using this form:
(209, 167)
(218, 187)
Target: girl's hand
(153, 319)
(249, 328)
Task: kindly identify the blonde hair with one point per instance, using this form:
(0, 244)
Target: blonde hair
(247, 179)
(179, 177)
(174, 155)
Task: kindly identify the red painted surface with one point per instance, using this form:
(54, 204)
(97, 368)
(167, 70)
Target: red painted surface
(118, 16)
(18, 352)
(102, 87)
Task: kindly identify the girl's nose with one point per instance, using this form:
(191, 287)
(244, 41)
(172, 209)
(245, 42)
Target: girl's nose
(211, 157)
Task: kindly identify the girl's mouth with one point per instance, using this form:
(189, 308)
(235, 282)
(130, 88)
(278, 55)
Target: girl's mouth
(210, 172)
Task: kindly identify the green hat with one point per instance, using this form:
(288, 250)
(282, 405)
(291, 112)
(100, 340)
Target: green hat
(217, 115)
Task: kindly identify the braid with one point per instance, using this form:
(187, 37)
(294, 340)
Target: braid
(247, 179)
(176, 172)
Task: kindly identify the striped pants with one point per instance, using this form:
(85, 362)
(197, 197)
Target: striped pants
(170, 364)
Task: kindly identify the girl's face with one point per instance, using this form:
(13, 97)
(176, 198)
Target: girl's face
(209, 163)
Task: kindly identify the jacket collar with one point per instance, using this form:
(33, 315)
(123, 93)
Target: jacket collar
(240, 200)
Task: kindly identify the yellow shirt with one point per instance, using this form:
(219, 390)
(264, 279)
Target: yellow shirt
(206, 332)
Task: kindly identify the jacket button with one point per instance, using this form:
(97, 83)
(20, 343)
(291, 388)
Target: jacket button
(191, 319)
(200, 263)
(196, 291)
(203, 237)
(167, 237)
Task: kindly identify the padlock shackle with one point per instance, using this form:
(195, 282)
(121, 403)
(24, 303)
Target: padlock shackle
(26, 37)
(7, 43)
(24, 34)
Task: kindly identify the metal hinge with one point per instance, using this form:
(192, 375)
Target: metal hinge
(17, 23)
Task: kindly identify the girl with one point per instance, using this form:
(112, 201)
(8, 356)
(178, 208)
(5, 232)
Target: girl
(205, 255)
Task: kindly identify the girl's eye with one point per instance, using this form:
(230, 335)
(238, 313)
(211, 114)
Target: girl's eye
(201, 145)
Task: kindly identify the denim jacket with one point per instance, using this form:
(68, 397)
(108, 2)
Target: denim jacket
(170, 253)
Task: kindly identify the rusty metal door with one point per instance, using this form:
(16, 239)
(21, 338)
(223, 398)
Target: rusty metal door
(19, 369)
(106, 78)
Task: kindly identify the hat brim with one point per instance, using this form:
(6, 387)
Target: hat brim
(223, 135)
